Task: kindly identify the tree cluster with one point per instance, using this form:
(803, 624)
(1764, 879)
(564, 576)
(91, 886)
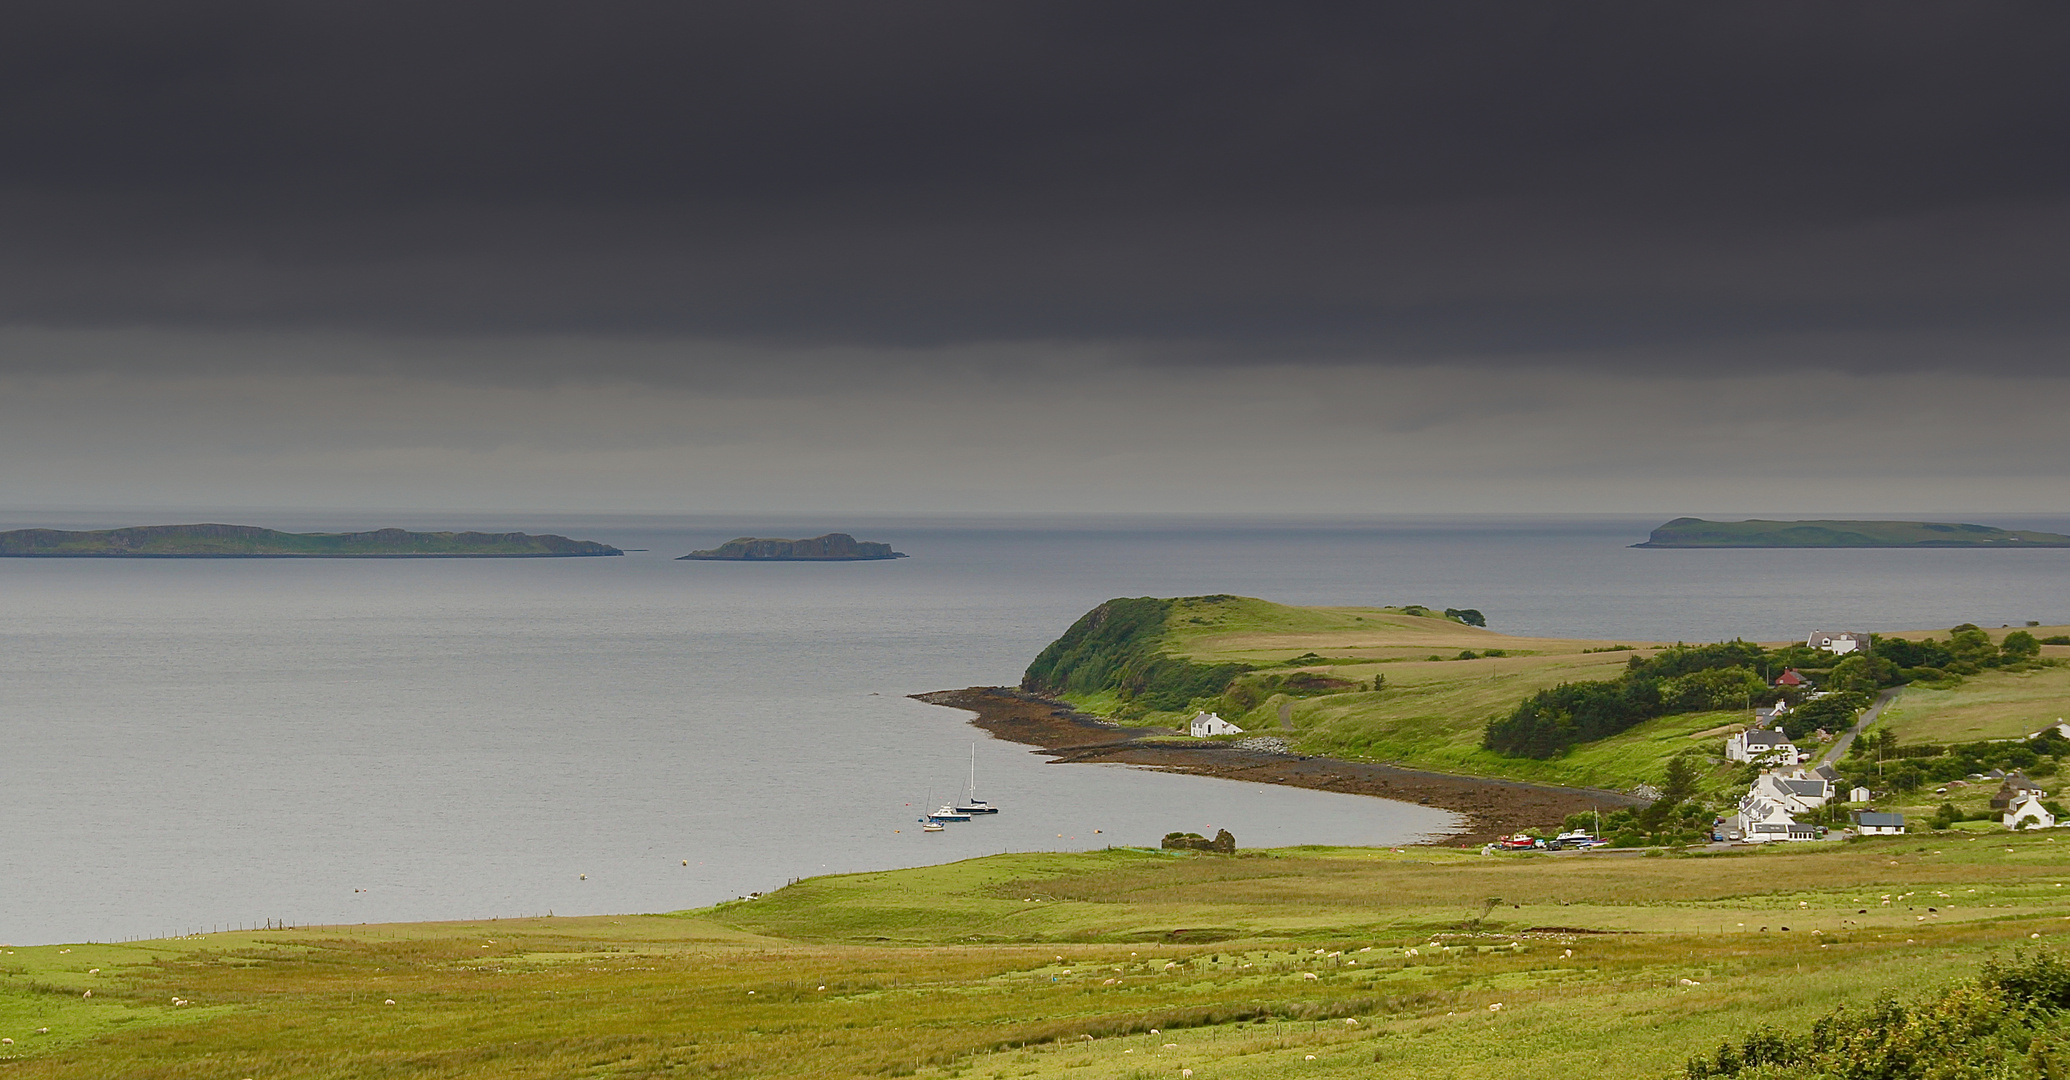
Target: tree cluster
(1688, 678)
(1734, 674)
(1883, 764)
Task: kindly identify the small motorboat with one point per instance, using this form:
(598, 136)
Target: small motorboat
(948, 813)
(933, 826)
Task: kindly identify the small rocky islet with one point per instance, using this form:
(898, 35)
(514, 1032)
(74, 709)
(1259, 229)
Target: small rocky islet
(833, 547)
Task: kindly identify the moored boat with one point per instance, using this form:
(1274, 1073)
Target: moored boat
(971, 803)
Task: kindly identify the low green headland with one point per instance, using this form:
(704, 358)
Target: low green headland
(1698, 533)
(833, 547)
(1413, 686)
(248, 541)
(1129, 964)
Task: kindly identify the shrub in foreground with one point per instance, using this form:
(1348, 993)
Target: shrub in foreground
(2009, 1023)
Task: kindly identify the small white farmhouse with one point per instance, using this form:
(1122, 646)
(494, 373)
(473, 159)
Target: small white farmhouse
(2027, 813)
(1207, 723)
(1760, 744)
(1867, 823)
(1837, 643)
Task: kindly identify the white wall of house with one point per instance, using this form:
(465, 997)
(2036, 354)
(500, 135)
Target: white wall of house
(2027, 812)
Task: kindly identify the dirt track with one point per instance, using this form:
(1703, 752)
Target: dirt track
(1492, 807)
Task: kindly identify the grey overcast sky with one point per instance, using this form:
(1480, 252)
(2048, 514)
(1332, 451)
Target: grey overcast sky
(1341, 258)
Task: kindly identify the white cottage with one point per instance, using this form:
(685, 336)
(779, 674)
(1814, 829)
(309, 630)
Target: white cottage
(1797, 792)
(1207, 723)
(1761, 820)
(1760, 744)
(2026, 812)
(1858, 794)
(1837, 643)
(1868, 823)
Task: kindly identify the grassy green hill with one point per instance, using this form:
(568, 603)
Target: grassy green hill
(1326, 963)
(1154, 661)
(1409, 686)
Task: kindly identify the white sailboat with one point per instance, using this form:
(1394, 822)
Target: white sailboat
(972, 804)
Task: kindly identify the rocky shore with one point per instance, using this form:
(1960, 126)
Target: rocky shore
(1492, 808)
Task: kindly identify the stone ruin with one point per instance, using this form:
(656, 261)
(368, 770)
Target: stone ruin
(1224, 842)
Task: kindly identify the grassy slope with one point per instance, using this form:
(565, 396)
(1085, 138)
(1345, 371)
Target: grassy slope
(1068, 946)
(1992, 705)
(1430, 714)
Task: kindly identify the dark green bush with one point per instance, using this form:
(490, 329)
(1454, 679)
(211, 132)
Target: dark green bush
(2008, 1023)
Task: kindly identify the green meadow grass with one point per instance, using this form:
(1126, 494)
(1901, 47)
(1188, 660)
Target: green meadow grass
(1990, 705)
(1063, 964)
(1431, 713)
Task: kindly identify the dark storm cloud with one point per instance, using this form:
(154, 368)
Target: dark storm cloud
(1858, 185)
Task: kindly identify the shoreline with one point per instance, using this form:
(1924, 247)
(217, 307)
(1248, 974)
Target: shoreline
(1491, 807)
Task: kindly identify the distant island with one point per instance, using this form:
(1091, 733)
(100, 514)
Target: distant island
(252, 542)
(833, 547)
(1698, 533)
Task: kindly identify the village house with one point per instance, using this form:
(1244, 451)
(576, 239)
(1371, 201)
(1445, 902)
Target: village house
(1858, 794)
(1798, 791)
(1762, 745)
(2027, 813)
(1838, 644)
(1789, 679)
(2016, 785)
(1207, 723)
(1761, 820)
(1870, 823)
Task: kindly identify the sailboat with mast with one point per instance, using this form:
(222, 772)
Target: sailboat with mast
(971, 803)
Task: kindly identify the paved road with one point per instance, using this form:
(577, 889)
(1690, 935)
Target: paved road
(1869, 715)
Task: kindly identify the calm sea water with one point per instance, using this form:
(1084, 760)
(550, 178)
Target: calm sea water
(193, 744)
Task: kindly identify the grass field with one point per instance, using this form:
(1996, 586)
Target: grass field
(1434, 706)
(1993, 705)
(1122, 963)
